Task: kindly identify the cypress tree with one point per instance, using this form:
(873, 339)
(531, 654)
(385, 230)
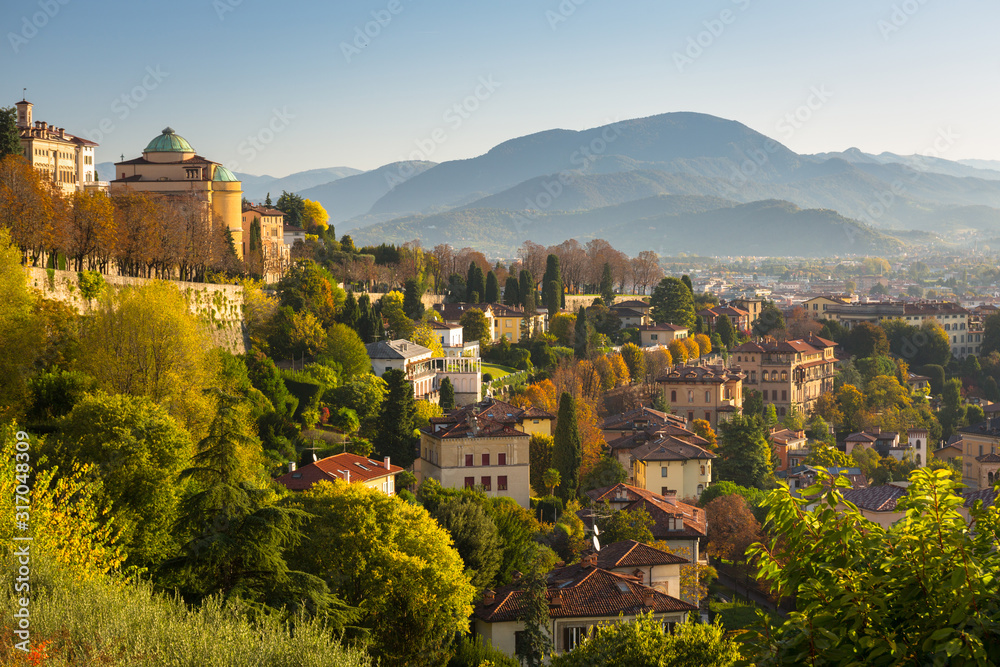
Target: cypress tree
(511, 292)
(567, 451)
(526, 290)
(447, 401)
(367, 326)
(492, 292)
(686, 279)
(412, 305)
(552, 285)
(607, 286)
(552, 297)
(475, 283)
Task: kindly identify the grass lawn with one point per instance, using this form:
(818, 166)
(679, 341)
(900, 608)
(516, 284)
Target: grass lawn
(498, 371)
(738, 615)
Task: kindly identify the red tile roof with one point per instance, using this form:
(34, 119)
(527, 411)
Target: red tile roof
(629, 553)
(663, 511)
(345, 466)
(875, 498)
(583, 590)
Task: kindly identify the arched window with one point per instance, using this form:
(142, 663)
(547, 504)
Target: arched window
(784, 376)
(764, 375)
(701, 487)
(739, 358)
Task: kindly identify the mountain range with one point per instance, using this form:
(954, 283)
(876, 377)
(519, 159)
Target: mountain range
(675, 182)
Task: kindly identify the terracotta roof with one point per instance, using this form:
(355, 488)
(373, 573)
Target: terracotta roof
(989, 427)
(629, 553)
(583, 590)
(876, 498)
(670, 448)
(627, 420)
(784, 436)
(989, 458)
(633, 303)
(264, 210)
(660, 508)
(492, 418)
(860, 437)
(345, 466)
(665, 326)
(987, 495)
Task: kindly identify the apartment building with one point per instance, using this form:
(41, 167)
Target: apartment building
(712, 393)
(953, 318)
(789, 373)
(62, 158)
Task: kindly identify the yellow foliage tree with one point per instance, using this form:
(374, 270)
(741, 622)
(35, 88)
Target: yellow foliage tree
(26, 207)
(541, 395)
(693, 349)
(424, 335)
(679, 351)
(621, 369)
(704, 344)
(314, 216)
(146, 342)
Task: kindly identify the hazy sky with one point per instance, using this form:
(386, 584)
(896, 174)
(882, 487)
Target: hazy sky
(273, 88)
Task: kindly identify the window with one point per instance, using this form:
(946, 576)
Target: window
(486, 459)
(663, 471)
(673, 396)
(781, 412)
(708, 397)
(690, 416)
(784, 376)
(469, 461)
(701, 488)
(572, 636)
(487, 483)
(652, 336)
(774, 394)
(764, 376)
(470, 482)
(703, 470)
(708, 416)
(690, 396)
(502, 459)
(502, 483)
(784, 394)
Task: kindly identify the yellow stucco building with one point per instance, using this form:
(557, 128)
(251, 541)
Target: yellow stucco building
(62, 158)
(169, 166)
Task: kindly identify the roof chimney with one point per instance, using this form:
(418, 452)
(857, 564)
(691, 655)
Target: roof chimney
(648, 599)
(489, 597)
(291, 466)
(387, 463)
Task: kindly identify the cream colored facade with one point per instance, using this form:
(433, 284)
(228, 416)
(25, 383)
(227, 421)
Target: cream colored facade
(789, 374)
(169, 166)
(275, 254)
(688, 479)
(710, 393)
(497, 463)
(64, 159)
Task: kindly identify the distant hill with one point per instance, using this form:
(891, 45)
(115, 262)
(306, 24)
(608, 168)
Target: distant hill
(353, 196)
(666, 224)
(985, 169)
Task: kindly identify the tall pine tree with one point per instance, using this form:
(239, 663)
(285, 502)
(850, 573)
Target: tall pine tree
(511, 292)
(552, 285)
(581, 335)
(567, 452)
(607, 285)
(350, 313)
(368, 326)
(672, 302)
(475, 284)
(526, 291)
(492, 290)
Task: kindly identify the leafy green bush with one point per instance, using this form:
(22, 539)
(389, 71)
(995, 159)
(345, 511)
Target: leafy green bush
(91, 284)
(471, 652)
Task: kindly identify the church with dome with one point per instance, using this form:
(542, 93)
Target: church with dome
(169, 166)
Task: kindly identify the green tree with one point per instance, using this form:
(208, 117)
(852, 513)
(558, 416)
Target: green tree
(645, 642)
(607, 286)
(952, 413)
(563, 327)
(672, 302)
(934, 347)
(350, 313)
(867, 340)
(369, 327)
(412, 305)
(567, 451)
(10, 136)
(618, 525)
(492, 289)
(365, 394)
(344, 348)
(607, 472)
(234, 536)
(293, 206)
(476, 538)
(754, 497)
(552, 285)
(536, 644)
(896, 593)
(540, 461)
(823, 454)
(394, 562)
(475, 283)
(991, 334)
(744, 454)
(551, 479)
(526, 291)
(727, 332)
(447, 394)
(306, 286)
(769, 321)
(138, 451)
(395, 433)
(511, 292)
(581, 337)
(475, 326)
(400, 324)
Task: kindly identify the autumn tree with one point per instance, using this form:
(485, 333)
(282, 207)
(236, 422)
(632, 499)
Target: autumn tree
(27, 208)
(425, 336)
(475, 326)
(635, 360)
(315, 219)
(732, 527)
(704, 430)
(679, 351)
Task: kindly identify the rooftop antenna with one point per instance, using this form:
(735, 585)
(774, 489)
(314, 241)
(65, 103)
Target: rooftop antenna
(24, 94)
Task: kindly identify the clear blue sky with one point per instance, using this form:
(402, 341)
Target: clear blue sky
(225, 66)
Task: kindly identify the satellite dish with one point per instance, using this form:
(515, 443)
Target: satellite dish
(597, 531)
(597, 544)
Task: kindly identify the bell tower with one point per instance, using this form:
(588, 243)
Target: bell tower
(24, 114)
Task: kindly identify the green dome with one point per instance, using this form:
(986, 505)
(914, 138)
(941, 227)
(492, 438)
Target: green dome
(168, 142)
(223, 174)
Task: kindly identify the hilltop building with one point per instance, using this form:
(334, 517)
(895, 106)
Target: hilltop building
(63, 158)
(275, 255)
(169, 166)
(790, 374)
